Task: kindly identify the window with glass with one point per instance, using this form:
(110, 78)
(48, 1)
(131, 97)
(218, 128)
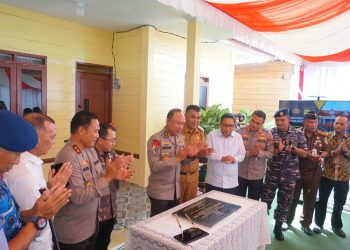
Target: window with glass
(203, 92)
(22, 82)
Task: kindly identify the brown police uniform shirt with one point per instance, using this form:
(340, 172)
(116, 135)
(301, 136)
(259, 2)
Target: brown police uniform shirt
(164, 179)
(77, 220)
(337, 166)
(316, 144)
(253, 167)
(192, 137)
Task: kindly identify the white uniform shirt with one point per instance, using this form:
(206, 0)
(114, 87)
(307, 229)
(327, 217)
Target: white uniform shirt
(221, 174)
(24, 181)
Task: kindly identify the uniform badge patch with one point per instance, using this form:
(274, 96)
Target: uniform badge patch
(155, 146)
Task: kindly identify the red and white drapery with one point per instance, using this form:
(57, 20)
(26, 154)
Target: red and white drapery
(315, 30)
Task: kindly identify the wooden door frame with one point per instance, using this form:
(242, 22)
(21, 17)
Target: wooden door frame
(12, 82)
(77, 85)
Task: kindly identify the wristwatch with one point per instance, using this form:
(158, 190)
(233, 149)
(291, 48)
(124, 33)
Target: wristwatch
(39, 222)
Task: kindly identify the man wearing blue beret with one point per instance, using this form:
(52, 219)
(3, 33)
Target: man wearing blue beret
(17, 136)
(283, 169)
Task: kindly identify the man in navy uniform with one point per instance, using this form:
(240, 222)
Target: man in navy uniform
(283, 169)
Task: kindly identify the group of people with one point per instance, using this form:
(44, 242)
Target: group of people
(76, 207)
(251, 161)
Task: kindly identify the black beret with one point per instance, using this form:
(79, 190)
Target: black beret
(16, 134)
(310, 116)
(281, 112)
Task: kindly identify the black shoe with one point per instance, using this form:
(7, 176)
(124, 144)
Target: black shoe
(307, 231)
(317, 230)
(278, 231)
(278, 235)
(339, 232)
(286, 226)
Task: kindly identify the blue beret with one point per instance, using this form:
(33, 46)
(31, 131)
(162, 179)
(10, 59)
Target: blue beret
(310, 116)
(16, 134)
(281, 112)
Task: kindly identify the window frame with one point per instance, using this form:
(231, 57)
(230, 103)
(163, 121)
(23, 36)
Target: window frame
(16, 68)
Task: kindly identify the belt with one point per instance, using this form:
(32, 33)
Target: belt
(188, 173)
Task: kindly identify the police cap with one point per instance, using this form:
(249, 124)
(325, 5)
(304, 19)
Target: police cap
(310, 116)
(281, 112)
(16, 134)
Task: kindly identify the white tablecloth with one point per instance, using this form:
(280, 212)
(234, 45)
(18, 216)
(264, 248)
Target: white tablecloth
(245, 229)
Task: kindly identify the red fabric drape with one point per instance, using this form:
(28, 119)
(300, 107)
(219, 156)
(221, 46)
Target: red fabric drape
(343, 56)
(301, 83)
(282, 15)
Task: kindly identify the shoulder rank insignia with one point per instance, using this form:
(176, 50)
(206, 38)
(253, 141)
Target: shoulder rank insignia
(166, 134)
(76, 149)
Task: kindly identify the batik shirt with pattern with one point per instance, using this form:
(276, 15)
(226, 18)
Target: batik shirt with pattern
(337, 166)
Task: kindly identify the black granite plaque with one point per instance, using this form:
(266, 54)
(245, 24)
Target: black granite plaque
(207, 211)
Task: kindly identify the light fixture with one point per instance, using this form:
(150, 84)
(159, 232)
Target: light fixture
(79, 11)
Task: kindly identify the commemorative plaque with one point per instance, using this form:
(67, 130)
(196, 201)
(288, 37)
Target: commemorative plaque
(207, 211)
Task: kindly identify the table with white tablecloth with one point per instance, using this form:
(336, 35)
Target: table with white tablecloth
(245, 229)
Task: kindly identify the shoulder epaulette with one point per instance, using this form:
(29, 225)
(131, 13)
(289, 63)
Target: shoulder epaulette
(76, 149)
(166, 134)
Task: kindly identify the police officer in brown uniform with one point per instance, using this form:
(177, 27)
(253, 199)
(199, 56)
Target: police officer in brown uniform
(193, 134)
(76, 223)
(166, 152)
(258, 143)
(310, 172)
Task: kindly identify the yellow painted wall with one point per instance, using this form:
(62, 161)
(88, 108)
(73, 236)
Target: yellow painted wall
(217, 63)
(261, 86)
(64, 43)
(151, 67)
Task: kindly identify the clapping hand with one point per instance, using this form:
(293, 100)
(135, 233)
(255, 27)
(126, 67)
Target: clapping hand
(193, 149)
(181, 154)
(228, 159)
(205, 151)
(51, 201)
(118, 168)
(61, 177)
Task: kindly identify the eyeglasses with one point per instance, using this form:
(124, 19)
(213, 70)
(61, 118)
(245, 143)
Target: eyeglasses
(113, 140)
(228, 125)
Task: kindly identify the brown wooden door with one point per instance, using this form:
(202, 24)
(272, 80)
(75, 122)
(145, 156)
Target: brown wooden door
(94, 94)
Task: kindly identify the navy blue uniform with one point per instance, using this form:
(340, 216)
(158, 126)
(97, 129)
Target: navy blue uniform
(282, 172)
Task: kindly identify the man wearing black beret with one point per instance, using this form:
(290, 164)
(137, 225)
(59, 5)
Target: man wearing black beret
(283, 169)
(17, 231)
(310, 172)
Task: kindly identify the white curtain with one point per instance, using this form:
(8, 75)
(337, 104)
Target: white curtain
(4, 88)
(328, 80)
